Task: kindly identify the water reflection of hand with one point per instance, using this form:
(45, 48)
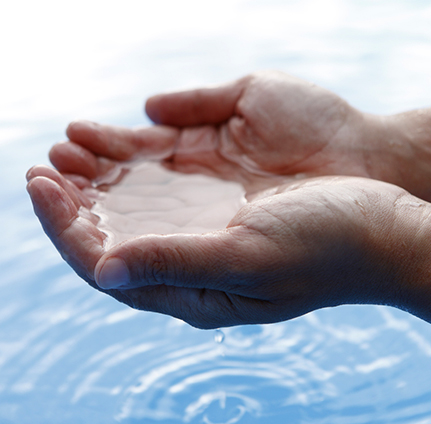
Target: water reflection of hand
(317, 243)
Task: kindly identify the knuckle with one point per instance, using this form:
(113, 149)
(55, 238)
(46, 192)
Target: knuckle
(156, 269)
(162, 265)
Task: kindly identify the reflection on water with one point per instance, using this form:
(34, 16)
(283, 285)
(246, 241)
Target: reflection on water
(72, 355)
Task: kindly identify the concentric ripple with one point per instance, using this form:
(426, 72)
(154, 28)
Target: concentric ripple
(97, 359)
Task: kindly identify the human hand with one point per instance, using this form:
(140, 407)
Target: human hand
(253, 130)
(298, 247)
(273, 126)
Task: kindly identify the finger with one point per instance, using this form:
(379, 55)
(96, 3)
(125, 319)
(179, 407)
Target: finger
(78, 180)
(196, 107)
(76, 238)
(225, 260)
(75, 195)
(120, 143)
(71, 158)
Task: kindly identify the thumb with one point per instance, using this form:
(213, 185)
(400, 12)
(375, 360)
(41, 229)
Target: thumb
(196, 107)
(209, 280)
(217, 260)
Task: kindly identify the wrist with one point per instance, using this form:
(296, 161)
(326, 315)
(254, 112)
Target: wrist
(400, 150)
(406, 248)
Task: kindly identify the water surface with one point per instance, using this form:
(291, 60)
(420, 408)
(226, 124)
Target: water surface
(151, 199)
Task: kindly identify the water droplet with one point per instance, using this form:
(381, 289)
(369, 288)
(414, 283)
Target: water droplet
(218, 336)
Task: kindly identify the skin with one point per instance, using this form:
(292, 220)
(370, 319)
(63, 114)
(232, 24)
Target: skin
(309, 237)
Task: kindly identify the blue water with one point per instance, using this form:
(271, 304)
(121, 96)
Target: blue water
(70, 354)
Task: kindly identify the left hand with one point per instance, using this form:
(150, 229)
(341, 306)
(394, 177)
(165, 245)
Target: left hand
(259, 130)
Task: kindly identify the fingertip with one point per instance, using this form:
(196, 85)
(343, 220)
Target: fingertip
(203, 106)
(71, 158)
(33, 189)
(111, 273)
(46, 172)
(29, 182)
(52, 204)
(76, 128)
(53, 153)
(30, 174)
(38, 188)
(71, 128)
(152, 108)
(47, 189)
(42, 171)
(53, 150)
(37, 182)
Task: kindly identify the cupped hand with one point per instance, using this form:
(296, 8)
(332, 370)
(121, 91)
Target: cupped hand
(255, 130)
(295, 248)
(260, 130)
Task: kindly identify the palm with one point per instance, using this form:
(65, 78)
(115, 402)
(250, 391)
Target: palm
(279, 123)
(274, 125)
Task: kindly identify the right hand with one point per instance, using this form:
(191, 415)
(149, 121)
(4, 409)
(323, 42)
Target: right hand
(300, 247)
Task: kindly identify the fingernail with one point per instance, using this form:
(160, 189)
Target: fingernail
(114, 273)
